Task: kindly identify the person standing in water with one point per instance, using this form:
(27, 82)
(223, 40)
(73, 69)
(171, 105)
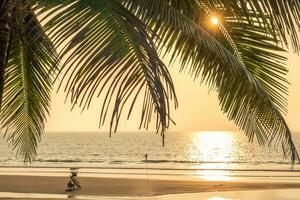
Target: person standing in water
(146, 160)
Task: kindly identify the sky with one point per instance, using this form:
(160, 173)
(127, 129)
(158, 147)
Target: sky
(198, 110)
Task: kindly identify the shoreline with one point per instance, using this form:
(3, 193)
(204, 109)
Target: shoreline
(153, 168)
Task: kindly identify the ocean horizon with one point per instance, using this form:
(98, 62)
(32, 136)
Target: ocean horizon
(223, 150)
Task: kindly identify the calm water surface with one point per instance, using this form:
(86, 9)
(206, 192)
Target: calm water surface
(195, 150)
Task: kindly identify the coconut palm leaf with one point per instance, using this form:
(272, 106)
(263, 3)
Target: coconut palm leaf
(6, 12)
(28, 83)
(246, 73)
(262, 58)
(278, 17)
(110, 48)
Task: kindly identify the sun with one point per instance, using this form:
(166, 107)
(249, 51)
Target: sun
(214, 20)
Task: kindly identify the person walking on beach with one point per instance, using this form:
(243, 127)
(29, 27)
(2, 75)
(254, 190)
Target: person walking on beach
(146, 157)
(73, 181)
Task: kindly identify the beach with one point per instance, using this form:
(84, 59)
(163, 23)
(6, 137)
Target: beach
(26, 184)
(127, 187)
(191, 166)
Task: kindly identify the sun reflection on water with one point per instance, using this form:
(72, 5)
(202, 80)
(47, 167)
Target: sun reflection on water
(216, 198)
(213, 148)
(214, 175)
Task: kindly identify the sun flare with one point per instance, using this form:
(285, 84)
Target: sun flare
(214, 20)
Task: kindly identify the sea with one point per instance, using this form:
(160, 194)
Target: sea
(222, 150)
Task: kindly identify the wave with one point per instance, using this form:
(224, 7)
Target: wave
(158, 161)
(215, 162)
(58, 160)
(95, 161)
(117, 161)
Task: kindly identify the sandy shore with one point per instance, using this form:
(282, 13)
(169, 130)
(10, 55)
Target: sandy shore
(127, 187)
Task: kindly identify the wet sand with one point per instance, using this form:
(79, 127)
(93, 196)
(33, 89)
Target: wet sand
(117, 187)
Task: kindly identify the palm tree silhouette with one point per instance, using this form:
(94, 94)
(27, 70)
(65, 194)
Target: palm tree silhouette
(113, 48)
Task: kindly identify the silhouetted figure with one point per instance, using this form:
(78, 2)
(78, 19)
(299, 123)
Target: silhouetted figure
(146, 160)
(73, 183)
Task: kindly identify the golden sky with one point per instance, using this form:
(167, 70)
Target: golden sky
(198, 108)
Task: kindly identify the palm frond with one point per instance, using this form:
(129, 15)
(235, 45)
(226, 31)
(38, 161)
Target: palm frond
(6, 13)
(26, 97)
(251, 92)
(110, 48)
(263, 59)
(279, 17)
